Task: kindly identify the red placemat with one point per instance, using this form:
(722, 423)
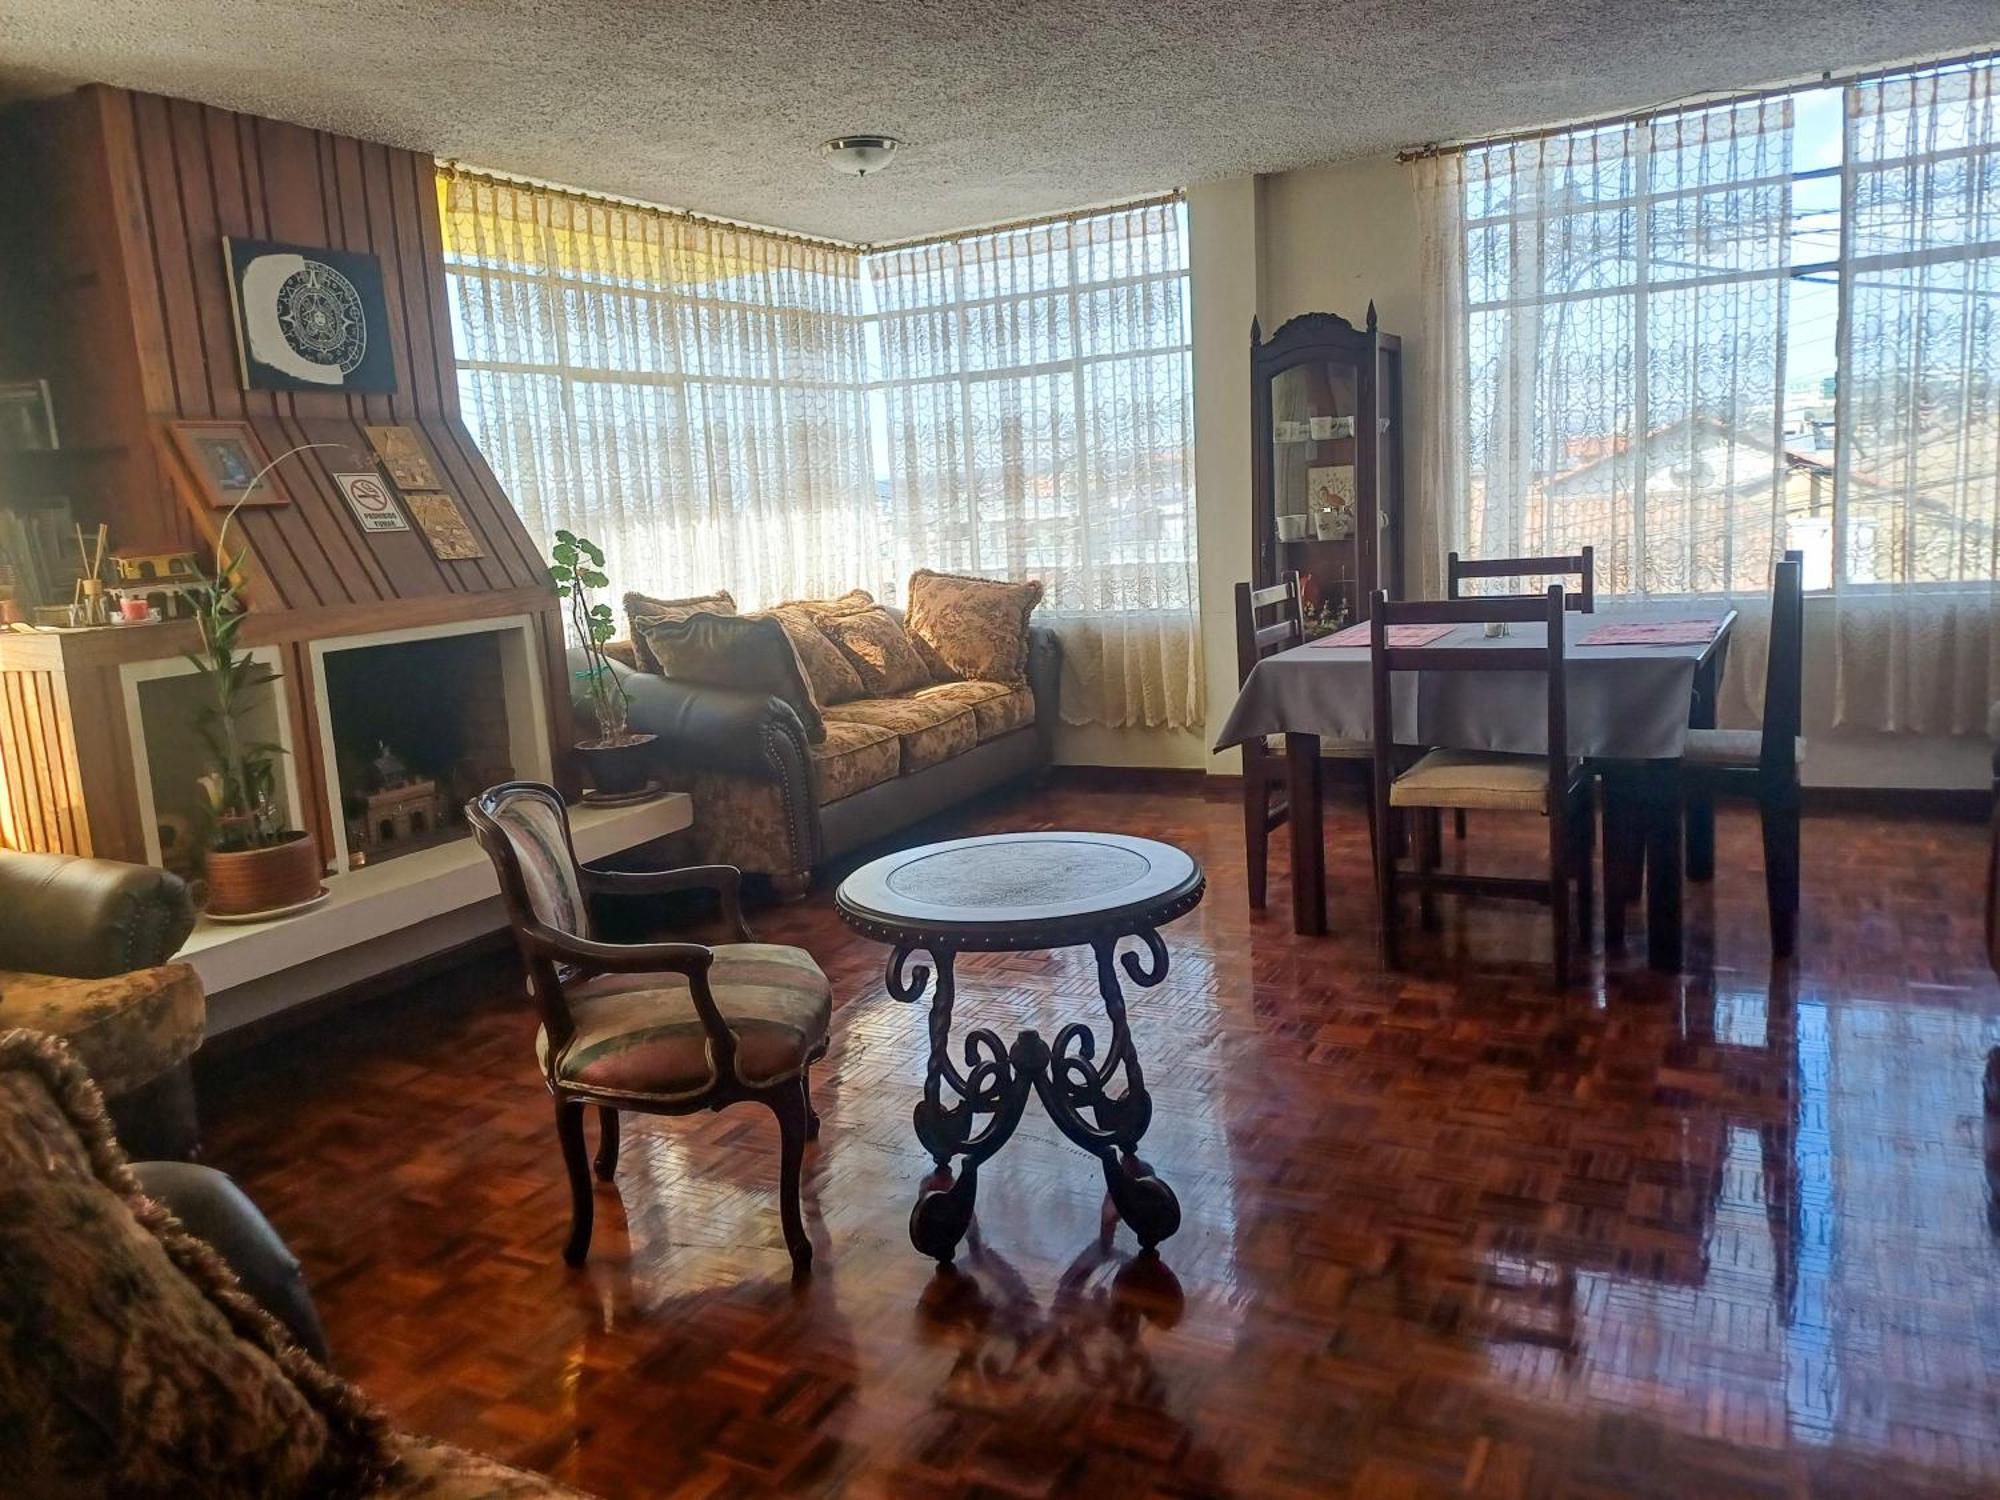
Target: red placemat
(1399, 635)
(1696, 630)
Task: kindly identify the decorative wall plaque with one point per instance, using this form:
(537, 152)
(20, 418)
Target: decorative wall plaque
(309, 319)
(437, 516)
(402, 454)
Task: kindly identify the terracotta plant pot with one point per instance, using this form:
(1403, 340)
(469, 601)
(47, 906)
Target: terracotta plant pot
(617, 770)
(243, 882)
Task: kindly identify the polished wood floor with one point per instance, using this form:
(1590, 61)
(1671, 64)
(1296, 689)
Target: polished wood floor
(1447, 1233)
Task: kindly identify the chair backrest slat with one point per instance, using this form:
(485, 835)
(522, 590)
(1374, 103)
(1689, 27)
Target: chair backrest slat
(1784, 666)
(1255, 640)
(1581, 565)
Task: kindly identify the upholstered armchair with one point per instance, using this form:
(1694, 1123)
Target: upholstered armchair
(661, 1028)
(84, 945)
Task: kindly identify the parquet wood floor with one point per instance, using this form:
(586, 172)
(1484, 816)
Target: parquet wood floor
(1447, 1233)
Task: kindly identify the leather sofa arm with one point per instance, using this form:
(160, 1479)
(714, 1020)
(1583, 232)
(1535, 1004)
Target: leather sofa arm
(89, 918)
(704, 728)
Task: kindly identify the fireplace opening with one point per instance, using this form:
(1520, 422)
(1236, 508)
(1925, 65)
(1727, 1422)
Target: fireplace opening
(418, 727)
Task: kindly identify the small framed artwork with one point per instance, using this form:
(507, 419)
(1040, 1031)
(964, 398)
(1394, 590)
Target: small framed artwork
(372, 501)
(308, 319)
(437, 516)
(402, 454)
(27, 417)
(226, 459)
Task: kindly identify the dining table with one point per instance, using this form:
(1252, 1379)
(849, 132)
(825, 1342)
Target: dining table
(1637, 678)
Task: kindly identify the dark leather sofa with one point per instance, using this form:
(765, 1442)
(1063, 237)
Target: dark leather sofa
(84, 950)
(770, 802)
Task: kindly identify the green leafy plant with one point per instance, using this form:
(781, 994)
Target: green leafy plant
(239, 787)
(239, 790)
(577, 565)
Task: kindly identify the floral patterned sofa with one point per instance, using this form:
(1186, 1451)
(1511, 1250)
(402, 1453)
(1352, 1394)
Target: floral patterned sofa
(888, 719)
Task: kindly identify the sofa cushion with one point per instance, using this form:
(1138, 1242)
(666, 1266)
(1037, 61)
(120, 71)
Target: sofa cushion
(997, 708)
(853, 757)
(128, 1029)
(928, 731)
(639, 1034)
(749, 652)
(874, 641)
(978, 627)
(134, 1365)
(642, 609)
(828, 671)
(847, 603)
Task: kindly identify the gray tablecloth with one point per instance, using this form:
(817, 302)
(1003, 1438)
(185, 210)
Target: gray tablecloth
(1625, 702)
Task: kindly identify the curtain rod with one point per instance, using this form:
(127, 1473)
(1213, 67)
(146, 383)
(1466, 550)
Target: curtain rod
(1010, 226)
(1685, 102)
(456, 170)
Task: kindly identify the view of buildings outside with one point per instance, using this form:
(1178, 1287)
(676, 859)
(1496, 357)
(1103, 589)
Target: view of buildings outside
(1655, 354)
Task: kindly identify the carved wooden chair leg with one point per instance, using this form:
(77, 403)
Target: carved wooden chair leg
(1458, 822)
(607, 1141)
(812, 1115)
(576, 1157)
(788, 1103)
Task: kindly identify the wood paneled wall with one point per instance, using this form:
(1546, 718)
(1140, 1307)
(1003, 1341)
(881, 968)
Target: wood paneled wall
(111, 266)
(113, 210)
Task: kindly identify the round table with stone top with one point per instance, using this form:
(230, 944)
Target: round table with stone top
(1016, 892)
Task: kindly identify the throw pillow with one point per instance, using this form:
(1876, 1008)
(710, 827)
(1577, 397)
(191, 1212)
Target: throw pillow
(978, 627)
(831, 675)
(881, 652)
(846, 604)
(749, 652)
(135, 1365)
(640, 609)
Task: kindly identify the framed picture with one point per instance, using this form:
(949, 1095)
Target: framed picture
(308, 319)
(437, 516)
(372, 502)
(225, 459)
(27, 417)
(1330, 500)
(402, 454)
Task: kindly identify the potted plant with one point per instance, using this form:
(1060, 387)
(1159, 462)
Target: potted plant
(616, 759)
(254, 864)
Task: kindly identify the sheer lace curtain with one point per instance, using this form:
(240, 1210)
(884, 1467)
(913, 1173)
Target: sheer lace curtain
(1919, 415)
(697, 396)
(1035, 387)
(689, 394)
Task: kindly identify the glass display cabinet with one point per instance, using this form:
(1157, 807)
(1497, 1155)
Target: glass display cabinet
(1326, 439)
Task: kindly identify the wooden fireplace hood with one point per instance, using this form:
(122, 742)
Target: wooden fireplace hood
(113, 288)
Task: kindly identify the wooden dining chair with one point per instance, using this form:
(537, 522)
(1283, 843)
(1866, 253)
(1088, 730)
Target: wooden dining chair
(1270, 620)
(1581, 565)
(1759, 765)
(657, 1028)
(1554, 784)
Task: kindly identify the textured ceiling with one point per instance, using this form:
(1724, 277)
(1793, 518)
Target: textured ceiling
(1007, 110)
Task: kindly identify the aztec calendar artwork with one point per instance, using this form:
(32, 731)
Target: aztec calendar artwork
(309, 319)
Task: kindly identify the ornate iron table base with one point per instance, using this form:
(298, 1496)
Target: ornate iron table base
(991, 1090)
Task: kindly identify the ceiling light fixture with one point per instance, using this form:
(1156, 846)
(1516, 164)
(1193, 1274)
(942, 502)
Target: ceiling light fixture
(860, 155)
